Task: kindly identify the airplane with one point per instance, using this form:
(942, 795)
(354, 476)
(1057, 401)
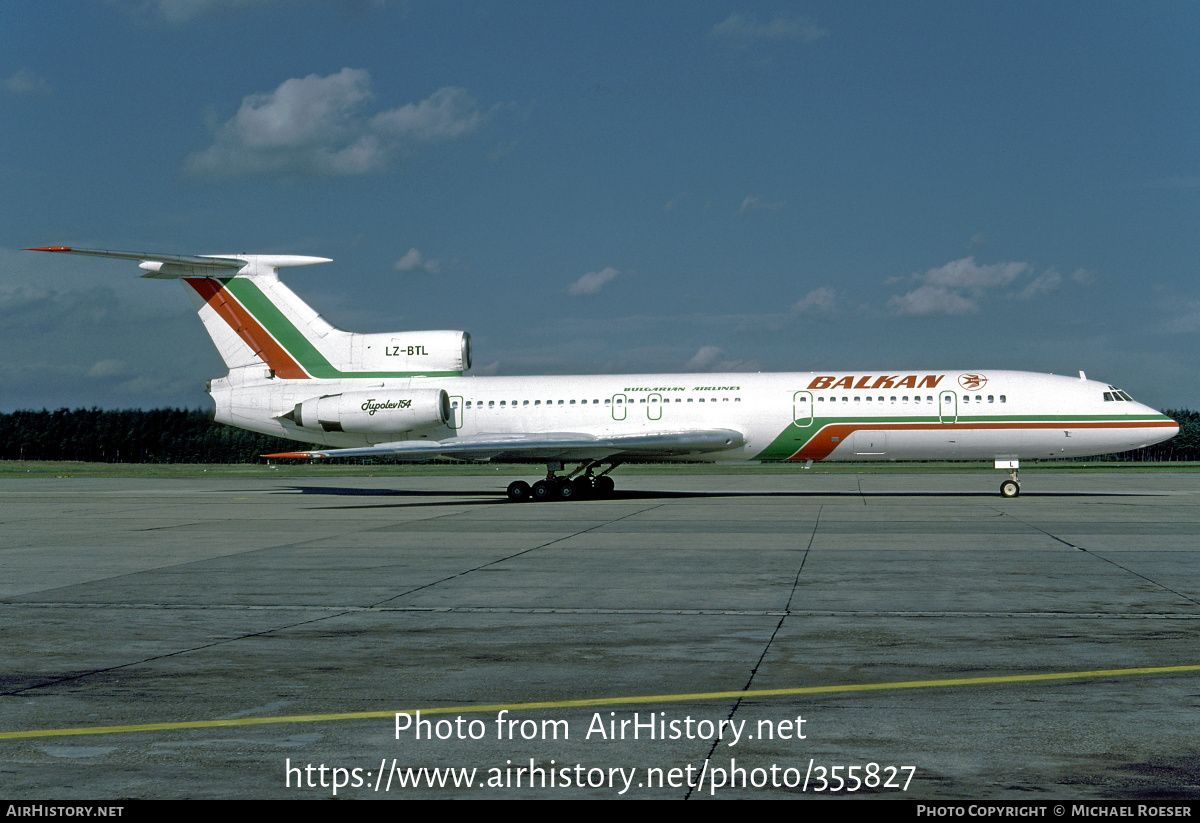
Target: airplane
(405, 395)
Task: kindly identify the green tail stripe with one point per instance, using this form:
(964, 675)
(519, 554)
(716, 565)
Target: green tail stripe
(293, 340)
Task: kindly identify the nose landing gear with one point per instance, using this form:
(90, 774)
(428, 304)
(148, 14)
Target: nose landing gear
(1009, 488)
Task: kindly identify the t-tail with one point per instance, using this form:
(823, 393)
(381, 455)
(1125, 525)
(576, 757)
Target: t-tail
(258, 322)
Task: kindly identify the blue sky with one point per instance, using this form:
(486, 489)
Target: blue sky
(610, 187)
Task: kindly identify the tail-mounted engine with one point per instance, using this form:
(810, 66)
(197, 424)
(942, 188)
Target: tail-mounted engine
(384, 411)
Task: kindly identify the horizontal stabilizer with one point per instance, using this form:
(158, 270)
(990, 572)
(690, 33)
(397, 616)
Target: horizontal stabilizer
(171, 266)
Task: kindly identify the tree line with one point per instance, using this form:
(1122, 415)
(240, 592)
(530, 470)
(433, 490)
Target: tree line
(192, 436)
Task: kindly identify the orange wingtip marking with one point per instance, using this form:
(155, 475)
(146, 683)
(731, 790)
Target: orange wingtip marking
(50, 248)
(292, 455)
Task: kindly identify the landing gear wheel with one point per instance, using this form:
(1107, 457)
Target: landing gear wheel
(1010, 488)
(604, 486)
(519, 491)
(542, 490)
(566, 491)
(582, 487)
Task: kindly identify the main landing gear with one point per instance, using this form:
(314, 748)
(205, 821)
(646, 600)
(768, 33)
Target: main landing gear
(581, 483)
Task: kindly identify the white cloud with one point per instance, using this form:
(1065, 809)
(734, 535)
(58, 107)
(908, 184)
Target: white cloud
(25, 83)
(757, 204)
(704, 358)
(954, 288)
(177, 12)
(592, 282)
(928, 300)
(448, 113)
(107, 368)
(741, 30)
(712, 359)
(315, 126)
(817, 303)
(1046, 282)
(414, 261)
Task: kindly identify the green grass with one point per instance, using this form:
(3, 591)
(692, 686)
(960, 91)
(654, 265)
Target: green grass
(58, 468)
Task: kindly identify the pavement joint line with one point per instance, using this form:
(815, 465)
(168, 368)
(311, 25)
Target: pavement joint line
(339, 610)
(740, 694)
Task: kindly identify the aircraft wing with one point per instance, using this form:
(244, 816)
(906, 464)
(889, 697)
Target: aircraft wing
(535, 448)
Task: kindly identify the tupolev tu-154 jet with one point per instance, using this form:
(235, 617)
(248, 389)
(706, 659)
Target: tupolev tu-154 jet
(406, 395)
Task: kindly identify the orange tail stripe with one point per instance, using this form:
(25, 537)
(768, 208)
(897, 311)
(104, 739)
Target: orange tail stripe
(247, 328)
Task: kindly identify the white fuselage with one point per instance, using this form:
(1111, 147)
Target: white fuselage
(894, 415)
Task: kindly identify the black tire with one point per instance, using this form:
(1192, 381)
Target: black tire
(519, 491)
(582, 487)
(542, 491)
(604, 486)
(1010, 488)
(566, 491)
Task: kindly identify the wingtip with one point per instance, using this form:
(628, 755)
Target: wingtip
(49, 248)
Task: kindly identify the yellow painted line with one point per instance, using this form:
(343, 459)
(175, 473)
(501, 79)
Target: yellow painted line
(607, 701)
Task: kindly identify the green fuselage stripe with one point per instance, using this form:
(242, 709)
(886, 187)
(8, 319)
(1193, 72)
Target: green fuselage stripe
(295, 343)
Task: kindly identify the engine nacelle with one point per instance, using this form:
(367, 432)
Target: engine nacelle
(384, 411)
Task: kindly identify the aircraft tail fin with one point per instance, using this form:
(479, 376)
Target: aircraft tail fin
(252, 317)
(256, 320)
